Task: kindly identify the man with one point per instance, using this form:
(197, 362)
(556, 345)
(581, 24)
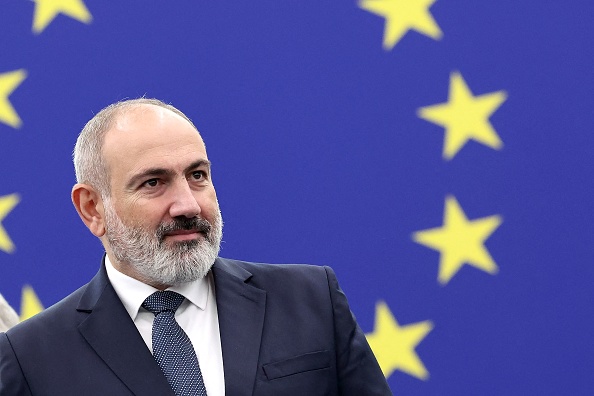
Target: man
(165, 315)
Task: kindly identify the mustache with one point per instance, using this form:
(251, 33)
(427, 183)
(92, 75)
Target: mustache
(197, 224)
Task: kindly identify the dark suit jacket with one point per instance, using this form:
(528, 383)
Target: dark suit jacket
(285, 330)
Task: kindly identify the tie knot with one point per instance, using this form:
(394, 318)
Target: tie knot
(163, 301)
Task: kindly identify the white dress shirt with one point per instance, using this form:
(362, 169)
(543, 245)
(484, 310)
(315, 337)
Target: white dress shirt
(197, 316)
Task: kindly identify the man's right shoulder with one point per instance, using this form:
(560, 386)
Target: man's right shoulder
(53, 319)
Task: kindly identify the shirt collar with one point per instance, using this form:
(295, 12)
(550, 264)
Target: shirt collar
(133, 292)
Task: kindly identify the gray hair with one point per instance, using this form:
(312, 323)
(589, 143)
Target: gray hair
(89, 165)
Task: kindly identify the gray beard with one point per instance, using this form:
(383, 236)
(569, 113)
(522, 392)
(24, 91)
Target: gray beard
(156, 261)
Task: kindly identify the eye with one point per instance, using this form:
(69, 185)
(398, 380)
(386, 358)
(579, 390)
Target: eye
(199, 175)
(150, 183)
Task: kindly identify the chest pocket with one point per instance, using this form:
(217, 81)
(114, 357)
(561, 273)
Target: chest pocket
(299, 364)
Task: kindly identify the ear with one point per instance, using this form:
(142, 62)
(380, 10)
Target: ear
(89, 205)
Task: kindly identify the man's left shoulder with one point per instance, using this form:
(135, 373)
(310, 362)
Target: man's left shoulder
(259, 268)
(266, 273)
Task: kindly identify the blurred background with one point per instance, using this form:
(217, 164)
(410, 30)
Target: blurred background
(436, 154)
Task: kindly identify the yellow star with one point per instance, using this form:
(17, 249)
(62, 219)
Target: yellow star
(460, 241)
(402, 16)
(394, 345)
(8, 83)
(47, 10)
(465, 117)
(30, 304)
(7, 203)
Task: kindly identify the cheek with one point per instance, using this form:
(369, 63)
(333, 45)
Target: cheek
(209, 206)
(146, 216)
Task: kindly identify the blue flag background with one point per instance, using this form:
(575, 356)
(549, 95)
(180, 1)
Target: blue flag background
(438, 155)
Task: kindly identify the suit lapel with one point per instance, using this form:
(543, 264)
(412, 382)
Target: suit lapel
(241, 309)
(111, 333)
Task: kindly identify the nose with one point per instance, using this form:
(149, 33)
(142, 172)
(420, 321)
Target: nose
(184, 202)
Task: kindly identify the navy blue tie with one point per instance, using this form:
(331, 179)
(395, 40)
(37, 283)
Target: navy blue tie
(172, 348)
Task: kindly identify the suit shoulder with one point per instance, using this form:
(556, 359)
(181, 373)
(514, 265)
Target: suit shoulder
(51, 318)
(281, 278)
(268, 269)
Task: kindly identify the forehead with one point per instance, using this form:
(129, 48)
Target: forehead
(148, 136)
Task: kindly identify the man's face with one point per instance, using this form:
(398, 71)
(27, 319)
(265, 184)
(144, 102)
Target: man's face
(162, 219)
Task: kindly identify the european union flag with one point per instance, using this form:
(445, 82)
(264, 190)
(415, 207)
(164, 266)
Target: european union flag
(436, 154)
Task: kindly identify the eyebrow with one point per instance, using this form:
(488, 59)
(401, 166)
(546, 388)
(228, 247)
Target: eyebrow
(153, 172)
